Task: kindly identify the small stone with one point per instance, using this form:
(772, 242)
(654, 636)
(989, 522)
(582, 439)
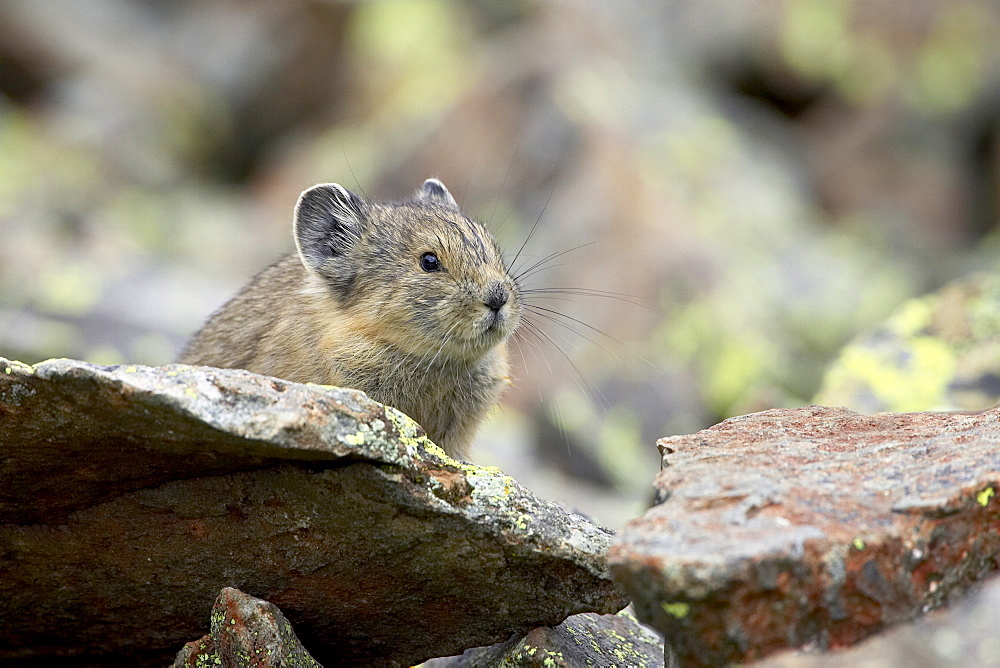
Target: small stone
(582, 640)
(257, 636)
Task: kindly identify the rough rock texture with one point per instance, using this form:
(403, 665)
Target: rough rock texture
(936, 352)
(957, 637)
(245, 631)
(811, 526)
(604, 641)
(132, 495)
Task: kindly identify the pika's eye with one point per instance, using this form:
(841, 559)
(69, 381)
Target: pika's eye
(430, 262)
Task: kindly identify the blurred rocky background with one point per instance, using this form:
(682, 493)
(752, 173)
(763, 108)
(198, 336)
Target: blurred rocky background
(739, 186)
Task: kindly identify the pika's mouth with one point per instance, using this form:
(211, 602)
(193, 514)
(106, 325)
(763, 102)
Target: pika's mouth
(493, 321)
(490, 330)
(496, 324)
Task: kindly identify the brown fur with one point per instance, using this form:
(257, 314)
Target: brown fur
(356, 308)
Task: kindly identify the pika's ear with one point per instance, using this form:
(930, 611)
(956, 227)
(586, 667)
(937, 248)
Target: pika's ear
(434, 191)
(328, 222)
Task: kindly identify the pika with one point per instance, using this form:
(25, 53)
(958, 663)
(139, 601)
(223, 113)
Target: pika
(409, 301)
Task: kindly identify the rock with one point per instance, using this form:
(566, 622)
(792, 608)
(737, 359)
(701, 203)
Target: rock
(957, 637)
(246, 631)
(936, 352)
(582, 640)
(132, 495)
(815, 526)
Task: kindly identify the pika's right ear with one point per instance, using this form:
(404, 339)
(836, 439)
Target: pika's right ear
(434, 190)
(328, 222)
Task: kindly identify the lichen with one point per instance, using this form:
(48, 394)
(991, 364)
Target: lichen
(678, 610)
(936, 352)
(919, 384)
(983, 497)
(13, 367)
(410, 435)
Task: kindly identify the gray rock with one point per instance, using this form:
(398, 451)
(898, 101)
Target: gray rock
(587, 639)
(811, 527)
(132, 495)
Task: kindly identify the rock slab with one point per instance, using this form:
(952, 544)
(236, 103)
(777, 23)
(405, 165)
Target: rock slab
(131, 496)
(815, 526)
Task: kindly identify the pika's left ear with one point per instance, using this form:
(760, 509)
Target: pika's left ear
(434, 191)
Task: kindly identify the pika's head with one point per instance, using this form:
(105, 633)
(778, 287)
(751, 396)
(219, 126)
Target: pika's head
(417, 274)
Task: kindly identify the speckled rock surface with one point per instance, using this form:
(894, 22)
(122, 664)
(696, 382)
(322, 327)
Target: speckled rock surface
(582, 640)
(132, 495)
(816, 526)
(246, 631)
(957, 637)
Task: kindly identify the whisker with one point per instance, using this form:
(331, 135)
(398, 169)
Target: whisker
(557, 294)
(353, 175)
(543, 337)
(503, 223)
(444, 341)
(548, 258)
(533, 228)
(531, 328)
(552, 314)
(582, 335)
(587, 291)
(510, 165)
(549, 314)
(580, 379)
(561, 424)
(468, 182)
(535, 349)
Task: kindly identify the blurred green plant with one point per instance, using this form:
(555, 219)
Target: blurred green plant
(833, 41)
(936, 352)
(414, 55)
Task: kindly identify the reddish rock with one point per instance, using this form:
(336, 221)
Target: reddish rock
(816, 526)
(246, 632)
(959, 636)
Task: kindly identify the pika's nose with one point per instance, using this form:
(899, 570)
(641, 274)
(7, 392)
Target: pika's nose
(497, 296)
